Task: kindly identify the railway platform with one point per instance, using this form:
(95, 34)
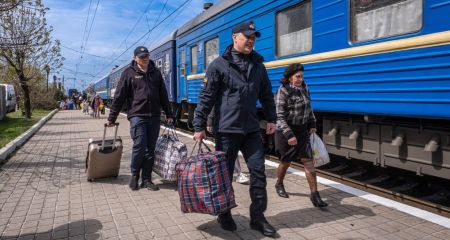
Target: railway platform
(44, 195)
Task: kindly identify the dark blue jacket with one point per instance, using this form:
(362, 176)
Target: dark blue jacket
(144, 93)
(234, 95)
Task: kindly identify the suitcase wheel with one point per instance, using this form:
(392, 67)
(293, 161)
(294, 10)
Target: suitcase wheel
(90, 180)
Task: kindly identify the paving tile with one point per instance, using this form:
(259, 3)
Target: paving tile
(45, 195)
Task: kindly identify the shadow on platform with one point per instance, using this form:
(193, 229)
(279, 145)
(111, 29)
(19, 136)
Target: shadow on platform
(300, 218)
(90, 228)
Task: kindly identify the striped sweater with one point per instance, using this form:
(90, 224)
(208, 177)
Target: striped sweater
(293, 109)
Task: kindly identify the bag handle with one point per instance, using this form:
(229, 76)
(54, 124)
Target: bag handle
(115, 136)
(171, 131)
(200, 150)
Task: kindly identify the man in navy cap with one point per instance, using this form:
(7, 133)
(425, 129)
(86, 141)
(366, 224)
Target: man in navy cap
(234, 83)
(142, 87)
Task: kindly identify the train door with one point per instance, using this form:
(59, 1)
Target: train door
(182, 87)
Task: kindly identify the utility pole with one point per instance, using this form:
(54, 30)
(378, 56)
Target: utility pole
(47, 70)
(54, 81)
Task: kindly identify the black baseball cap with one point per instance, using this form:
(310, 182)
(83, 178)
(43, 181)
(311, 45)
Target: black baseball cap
(140, 51)
(247, 28)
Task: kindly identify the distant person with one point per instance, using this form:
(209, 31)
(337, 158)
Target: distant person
(86, 106)
(80, 101)
(142, 87)
(74, 100)
(234, 83)
(295, 123)
(96, 105)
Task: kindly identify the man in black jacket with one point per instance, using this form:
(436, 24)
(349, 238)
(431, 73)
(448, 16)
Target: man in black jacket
(234, 83)
(142, 87)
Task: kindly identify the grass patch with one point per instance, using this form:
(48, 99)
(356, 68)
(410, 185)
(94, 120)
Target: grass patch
(15, 124)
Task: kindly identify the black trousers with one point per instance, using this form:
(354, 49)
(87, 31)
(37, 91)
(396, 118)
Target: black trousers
(252, 148)
(144, 132)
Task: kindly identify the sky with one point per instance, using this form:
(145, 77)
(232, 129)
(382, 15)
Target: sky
(97, 35)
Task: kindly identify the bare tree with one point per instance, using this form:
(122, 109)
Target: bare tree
(31, 47)
(6, 5)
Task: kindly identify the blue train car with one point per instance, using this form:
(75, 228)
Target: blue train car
(101, 87)
(378, 71)
(114, 77)
(163, 54)
(198, 43)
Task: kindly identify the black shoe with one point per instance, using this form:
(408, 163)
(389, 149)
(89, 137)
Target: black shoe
(226, 221)
(317, 201)
(281, 191)
(263, 226)
(149, 185)
(134, 179)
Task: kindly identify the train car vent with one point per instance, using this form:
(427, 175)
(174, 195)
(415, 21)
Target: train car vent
(333, 131)
(398, 140)
(354, 135)
(206, 6)
(433, 144)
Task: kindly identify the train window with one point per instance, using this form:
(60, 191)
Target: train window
(194, 59)
(211, 51)
(294, 32)
(373, 19)
(183, 62)
(159, 64)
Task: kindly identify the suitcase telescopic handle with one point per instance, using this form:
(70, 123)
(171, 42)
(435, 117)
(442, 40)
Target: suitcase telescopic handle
(115, 136)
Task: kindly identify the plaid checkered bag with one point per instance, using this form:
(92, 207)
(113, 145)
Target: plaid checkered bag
(168, 152)
(204, 185)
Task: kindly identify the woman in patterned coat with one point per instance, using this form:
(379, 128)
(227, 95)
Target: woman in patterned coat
(295, 123)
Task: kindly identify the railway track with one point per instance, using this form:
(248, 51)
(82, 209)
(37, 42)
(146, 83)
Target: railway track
(379, 191)
(381, 184)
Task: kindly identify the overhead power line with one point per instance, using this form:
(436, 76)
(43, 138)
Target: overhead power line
(77, 51)
(148, 32)
(157, 19)
(134, 27)
(85, 25)
(83, 45)
(73, 71)
(89, 32)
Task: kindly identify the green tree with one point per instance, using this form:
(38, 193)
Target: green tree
(27, 46)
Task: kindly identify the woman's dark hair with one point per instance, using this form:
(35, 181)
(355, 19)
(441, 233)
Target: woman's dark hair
(291, 70)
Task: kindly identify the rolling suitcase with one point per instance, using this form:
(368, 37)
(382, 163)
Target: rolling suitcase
(103, 157)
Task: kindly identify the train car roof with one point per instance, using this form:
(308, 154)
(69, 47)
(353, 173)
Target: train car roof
(119, 68)
(202, 17)
(112, 71)
(100, 79)
(171, 37)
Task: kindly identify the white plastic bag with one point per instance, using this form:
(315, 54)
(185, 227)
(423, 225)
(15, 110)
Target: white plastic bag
(319, 151)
